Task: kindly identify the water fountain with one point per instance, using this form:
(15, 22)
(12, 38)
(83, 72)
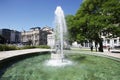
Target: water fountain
(30, 67)
(57, 56)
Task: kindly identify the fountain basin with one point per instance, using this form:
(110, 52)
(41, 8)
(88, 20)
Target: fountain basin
(85, 67)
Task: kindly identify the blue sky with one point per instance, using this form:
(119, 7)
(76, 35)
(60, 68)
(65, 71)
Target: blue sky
(24, 14)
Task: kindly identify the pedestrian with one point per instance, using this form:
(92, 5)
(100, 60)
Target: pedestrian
(91, 47)
(109, 48)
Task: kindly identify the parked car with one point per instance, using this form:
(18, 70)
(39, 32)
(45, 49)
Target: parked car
(117, 47)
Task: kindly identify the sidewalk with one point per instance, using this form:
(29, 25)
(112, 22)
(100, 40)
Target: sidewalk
(117, 55)
(107, 53)
(112, 53)
(8, 54)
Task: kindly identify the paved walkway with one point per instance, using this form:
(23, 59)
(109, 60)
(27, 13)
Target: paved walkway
(8, 54)
(107, 53)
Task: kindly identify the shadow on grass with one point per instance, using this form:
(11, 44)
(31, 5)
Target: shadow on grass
(83, 59)
(6, 63)
(80, 58)
(77, 57)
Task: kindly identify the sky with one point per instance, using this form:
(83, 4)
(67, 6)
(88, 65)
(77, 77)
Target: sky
(24, 14)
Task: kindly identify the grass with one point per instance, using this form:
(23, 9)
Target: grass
(83, 49)
(85, 67)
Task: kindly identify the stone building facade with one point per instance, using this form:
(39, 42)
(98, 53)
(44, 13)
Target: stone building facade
(50, 36)
(51, 39)
(35, 36)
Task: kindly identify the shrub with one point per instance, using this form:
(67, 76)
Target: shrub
(4, 47)
(11, 47)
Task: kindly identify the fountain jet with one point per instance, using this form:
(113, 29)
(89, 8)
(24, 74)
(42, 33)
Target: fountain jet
(57, 57)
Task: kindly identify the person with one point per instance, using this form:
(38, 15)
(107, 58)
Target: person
(91, 47)
(109, 48)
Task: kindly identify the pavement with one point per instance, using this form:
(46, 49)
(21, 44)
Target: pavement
(8, 54)
(110, 53)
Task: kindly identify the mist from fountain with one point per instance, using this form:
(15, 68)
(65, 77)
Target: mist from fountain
(57, 57)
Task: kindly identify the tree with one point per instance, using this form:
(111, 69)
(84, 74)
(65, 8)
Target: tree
(73, 29)
(111, 9)
(84, 22)
(94, 17)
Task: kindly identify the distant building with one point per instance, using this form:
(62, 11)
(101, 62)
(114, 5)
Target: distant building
(107, 42)
(36, 36)
(6, 33)
(15, 36)
(51, 39)
(11, 36)
(110, 42)
(50, 36)
(47, 29)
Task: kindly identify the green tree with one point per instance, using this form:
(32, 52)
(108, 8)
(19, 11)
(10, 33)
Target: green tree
(111, 10)
(94, 17)
(71, 25)
(73, 28)
(85, 22)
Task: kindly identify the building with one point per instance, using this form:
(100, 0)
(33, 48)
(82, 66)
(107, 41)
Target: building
(6, 33)
(51, 39)
(110, 42)
(35, 36)
(107, 42)
(11, 36)
(47, 29)
(50, 36)
(15, 36)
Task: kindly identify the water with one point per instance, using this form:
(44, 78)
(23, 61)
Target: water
(60, 30)
(57, 57)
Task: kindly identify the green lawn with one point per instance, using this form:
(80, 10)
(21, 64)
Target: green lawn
(85, 67)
